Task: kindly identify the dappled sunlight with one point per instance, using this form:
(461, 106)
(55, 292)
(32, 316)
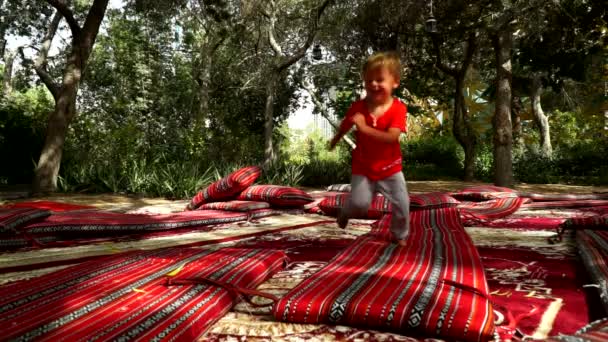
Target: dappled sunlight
(429, 186)
(561, 188)
(217, 235)
(112, 202)
(76, 302)
(449, 186)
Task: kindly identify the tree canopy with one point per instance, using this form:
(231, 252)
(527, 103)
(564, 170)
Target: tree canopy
(106, 85)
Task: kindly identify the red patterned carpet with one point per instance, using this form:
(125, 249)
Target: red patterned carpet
(544, 293)
(153, 295)
(538, 289)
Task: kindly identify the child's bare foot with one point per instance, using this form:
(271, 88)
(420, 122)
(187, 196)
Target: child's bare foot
(400, 242)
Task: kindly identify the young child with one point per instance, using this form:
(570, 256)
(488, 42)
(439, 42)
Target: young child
(376, 161)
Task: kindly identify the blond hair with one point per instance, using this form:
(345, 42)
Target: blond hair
(389, 60)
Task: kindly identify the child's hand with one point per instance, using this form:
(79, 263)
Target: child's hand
(332, 144)
(359, 120)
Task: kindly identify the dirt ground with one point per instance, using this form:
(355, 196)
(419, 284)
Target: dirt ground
(109, 201)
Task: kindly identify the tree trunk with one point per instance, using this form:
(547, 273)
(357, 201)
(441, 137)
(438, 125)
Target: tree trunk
(540, 118)
(503, 135)
(47, 169)
(83, 39)
(7, 85)
(281, 63)
(269, 154)
(3, 25)
(516, 107)
(462, 129)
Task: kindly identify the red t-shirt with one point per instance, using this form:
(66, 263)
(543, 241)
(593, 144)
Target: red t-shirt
(372, 158)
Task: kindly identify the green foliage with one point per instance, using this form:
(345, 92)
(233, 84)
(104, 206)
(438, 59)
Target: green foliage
(22, 119)
(484, 163)
(139, 127)
(581, 163)
(158, 177)
(319, 172)
(283, 173)
(310, 154)
(161, 177)
(435, 157)
(305, 148)
(573, 128)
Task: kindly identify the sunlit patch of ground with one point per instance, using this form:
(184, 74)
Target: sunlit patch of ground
(130, 203)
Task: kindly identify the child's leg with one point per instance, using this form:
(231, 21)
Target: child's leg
(359, 201)
(395, 190)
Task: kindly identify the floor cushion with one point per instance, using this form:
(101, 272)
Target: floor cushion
(11, 219)
(435, 285)
(50, 205)
(170, 294)
(235, 205)
(536, 197)
(592, 332)
(476, 212)
(103, 223)
(380, 205)
(226, 188)
(483, 193)
(331, 205)
(432, 200)
(276, 195)
(594, 222)
(593, 248)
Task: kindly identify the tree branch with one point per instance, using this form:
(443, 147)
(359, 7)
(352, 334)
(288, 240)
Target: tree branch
(245, 85)
(264, 13)
(39, 65)
(62, 7)
(510, 14)
(9, 59)
(469, 53)
(323, 111)
(218, 44)
(438, 58)
(91, 26)
(271, 32)
(45, 77)
(43, 52)
(312, 31)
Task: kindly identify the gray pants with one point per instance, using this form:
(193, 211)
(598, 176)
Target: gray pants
(393, 188)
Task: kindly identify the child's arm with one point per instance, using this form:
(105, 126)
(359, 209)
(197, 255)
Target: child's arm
(345, 126)
(390, 136)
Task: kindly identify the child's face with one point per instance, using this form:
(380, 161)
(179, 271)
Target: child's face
(379, 84)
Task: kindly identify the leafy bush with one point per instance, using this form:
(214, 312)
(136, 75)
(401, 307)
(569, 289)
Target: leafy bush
(582, 163)
(484, 163)
(436, 157)
(319, 173)
(22, 125)
(426, 172)
(282, 173)
(159, 177)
